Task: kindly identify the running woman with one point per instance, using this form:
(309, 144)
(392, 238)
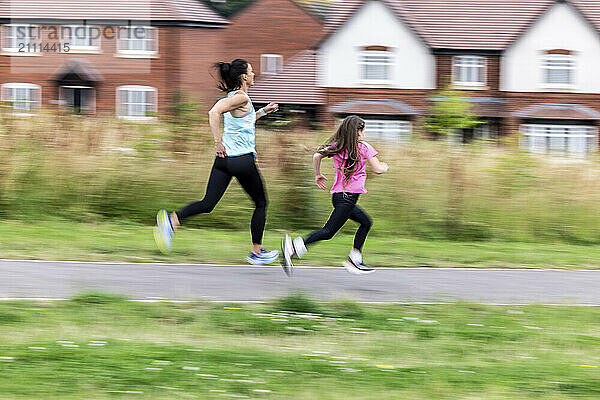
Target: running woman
(235, 157)
(350, 154)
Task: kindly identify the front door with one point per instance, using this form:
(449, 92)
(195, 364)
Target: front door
(79, 99)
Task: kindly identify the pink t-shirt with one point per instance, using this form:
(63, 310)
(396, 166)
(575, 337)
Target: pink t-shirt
(356, 184)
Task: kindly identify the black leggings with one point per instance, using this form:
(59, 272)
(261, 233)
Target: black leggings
(344, 208)
(246, 172)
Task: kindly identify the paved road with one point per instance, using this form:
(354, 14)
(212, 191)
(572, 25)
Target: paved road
(34, 279)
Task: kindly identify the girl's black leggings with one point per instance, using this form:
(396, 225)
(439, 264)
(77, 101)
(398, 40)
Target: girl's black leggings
(344, 208)
(244, 168)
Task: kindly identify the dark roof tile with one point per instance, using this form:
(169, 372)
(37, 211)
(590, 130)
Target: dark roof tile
(163, 10)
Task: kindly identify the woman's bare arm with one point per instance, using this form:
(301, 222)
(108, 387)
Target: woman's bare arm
(214, 117)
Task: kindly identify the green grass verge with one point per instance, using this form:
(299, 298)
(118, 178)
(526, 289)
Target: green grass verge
(63, 240)
(103, 347)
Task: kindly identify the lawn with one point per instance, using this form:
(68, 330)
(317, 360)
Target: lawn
(99, 346)
(65, 240)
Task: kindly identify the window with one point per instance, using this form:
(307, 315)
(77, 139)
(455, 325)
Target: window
(138, 40)
(485, 131)
(376, 66)
(136, 102)
(391, 130)
(19, 36)
(271, 63)
(469, 71)
(22, 97)
(81, 37)
(558, 71)
(569, 140)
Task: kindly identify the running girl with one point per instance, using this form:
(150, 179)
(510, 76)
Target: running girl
(350, 154)
(235, 157)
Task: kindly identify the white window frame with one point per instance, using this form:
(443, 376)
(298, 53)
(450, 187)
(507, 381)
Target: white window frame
(124, 41)
(535, 135)
(27, 40)
(466, 65)
(34, 101)
(74, 47)
(392, 130)
(264, 61)
(120, 106)
(363, 63)
(558, 57)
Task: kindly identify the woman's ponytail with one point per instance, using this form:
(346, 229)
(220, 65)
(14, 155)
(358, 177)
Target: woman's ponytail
(230, 74)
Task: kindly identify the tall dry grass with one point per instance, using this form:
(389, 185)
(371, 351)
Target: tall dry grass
(88, 169)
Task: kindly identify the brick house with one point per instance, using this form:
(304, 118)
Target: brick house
(107, 57)
(268, 32)
(525, 66)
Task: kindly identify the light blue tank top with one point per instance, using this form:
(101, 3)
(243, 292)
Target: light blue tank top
(238, 137)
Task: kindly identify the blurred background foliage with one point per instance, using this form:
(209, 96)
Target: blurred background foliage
(102, 168)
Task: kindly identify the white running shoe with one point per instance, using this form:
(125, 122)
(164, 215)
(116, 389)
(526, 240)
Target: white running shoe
(357, 268)
(299, 247)
(287, 250)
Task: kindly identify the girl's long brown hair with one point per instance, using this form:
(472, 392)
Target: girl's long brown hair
(345, 139)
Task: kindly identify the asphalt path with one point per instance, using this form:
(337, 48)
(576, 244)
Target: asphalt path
(153, 281)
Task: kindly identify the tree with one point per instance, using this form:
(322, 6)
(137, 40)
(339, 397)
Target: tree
(451, 113)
